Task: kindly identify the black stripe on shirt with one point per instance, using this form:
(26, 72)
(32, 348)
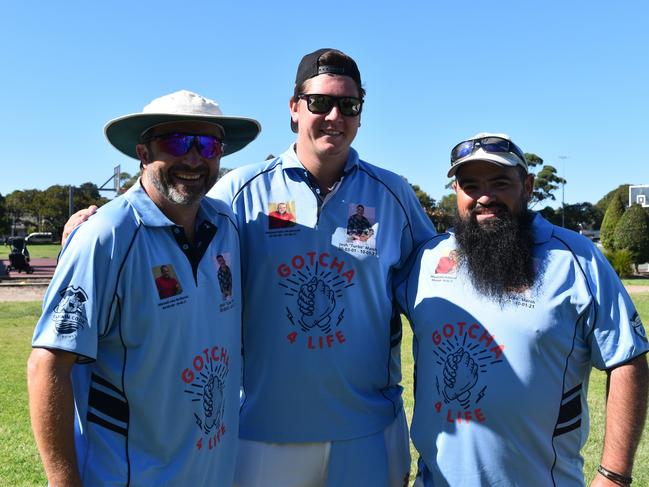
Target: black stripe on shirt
(93, 418)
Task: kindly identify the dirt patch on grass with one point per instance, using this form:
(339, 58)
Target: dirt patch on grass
(22, 293)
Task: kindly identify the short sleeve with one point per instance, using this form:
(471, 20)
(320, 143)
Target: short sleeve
(618, 334)
(419, 229)
(79, 299)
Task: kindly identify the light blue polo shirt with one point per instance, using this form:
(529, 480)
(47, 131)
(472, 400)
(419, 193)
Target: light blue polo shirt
(321, 343)
(501, 391)
(156, 387)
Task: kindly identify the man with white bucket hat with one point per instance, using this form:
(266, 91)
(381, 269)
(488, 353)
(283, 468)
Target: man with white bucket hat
(130, 384)
(509, 315)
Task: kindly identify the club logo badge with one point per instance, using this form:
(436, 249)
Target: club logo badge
(69, 316)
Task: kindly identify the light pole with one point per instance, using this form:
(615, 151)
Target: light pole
(563, 192)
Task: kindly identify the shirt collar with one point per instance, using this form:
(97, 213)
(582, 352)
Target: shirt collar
(543, 229)
(291, 161)
(149, 214)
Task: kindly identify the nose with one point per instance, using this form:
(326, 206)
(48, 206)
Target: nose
(485, 198)
(486, 195)
(334, 113)
(193, 157)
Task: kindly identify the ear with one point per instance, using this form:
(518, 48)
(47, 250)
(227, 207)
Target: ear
(454, 185)
(142, 153)
(292, 105)
(529, 186)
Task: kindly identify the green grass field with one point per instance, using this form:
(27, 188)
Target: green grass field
(35, 251)
(636, 281)
(20, 465)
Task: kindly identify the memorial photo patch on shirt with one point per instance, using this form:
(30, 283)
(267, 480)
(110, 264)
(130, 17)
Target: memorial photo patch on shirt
(224, 274)
(447, 264)
(281, 215)
(359, 234)
(445, 267)
(69, 316)
(166, 281)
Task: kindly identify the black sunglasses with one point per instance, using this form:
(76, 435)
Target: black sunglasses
(178, 145)
(493, 145)
(349, 106)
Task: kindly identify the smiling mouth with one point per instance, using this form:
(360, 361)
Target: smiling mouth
(489, 212)
(184, 176)
(332, 133)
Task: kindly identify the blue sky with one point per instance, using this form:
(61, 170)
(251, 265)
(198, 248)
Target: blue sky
(563, 78)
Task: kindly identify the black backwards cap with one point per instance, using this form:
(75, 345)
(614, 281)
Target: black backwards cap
(311, 66)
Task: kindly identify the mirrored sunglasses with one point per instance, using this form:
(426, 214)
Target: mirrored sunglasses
(178, 145)
(493, 145)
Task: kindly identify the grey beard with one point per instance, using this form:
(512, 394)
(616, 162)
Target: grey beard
(162, 183)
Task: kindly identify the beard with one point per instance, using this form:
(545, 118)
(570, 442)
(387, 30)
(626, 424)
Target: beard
(498, 253)
(179, 193)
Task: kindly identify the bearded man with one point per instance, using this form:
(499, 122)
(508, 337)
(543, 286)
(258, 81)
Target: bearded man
(506, 336)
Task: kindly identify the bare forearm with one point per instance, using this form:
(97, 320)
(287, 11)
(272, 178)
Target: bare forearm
(51, 408)
(626, 410)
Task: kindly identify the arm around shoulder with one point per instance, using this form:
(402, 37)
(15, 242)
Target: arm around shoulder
(51, 407)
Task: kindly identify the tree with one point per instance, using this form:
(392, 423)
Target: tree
(445, 212)
(612, 216)
(56, 210)
(622, 191)
(48, 210)
(26, 206)
(87, 194)
(16, 207)
(578, 216)
(126, 181)
(4, 217)
(546, 180)
(425, 200)
(632, 233)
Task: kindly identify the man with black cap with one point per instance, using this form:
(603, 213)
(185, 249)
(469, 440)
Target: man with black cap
(321, 340)
(127, 386)
(510, 313)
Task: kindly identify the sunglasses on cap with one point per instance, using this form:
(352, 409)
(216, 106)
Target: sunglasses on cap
(493, 145)
(177, 145)
(349, 106)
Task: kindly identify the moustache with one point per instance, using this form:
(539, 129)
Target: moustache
(183, 168)
(480, 209)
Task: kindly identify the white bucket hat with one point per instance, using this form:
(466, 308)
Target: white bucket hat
(124, 132)
(512, 157)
